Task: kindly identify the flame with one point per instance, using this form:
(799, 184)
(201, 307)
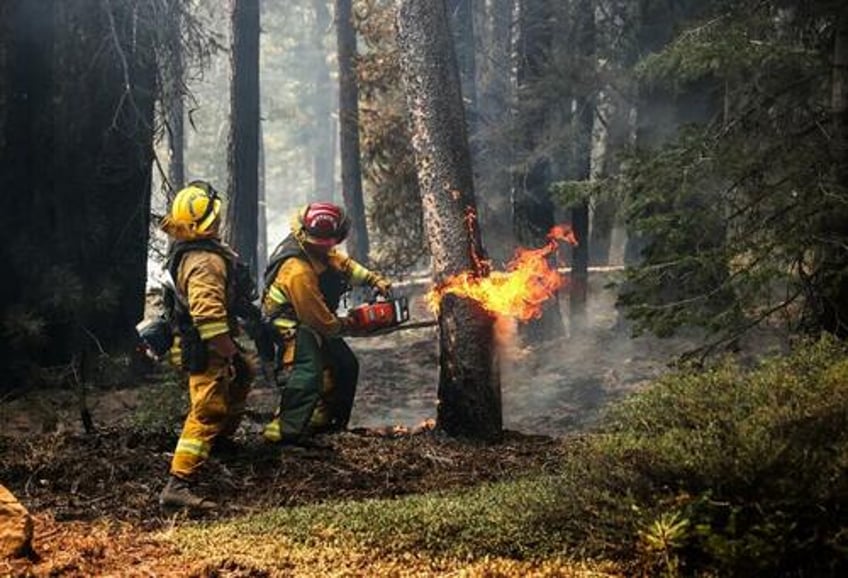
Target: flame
(519, 292)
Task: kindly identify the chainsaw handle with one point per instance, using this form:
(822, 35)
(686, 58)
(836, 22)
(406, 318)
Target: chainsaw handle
(376, 295)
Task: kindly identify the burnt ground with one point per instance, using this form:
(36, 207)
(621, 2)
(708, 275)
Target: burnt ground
(94, 495)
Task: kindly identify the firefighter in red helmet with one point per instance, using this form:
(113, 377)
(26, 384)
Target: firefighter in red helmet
(304, 281)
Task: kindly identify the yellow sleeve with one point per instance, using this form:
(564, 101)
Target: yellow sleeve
(203, 279)
(355, 273)
(299, 282)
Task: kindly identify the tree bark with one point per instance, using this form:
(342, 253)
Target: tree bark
(584, 46)
(495, 156)
(175, 111)
(357, 242)
(533, 210)
(469, 381)
(462, 25)
(243, 152)
(77, 153)
(323, 159)
(262, 221)
(834, 314)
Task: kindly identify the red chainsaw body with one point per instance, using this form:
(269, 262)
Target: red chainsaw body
(380, 314)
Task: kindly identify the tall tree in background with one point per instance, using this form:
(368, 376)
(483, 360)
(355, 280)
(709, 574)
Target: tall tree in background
(389, 177)
(262, 222)
(243, 160)
(173, 100)
(469, 381)
(834, 259)
(493, 136)
(533, 207)
(583, 48)
(78, 89)
(349, 131)
(323, 157)
(462, 24)
(744, 208)
(613, 127)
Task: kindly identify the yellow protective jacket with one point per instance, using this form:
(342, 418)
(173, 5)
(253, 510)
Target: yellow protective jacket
(299, 290)
(202, 279)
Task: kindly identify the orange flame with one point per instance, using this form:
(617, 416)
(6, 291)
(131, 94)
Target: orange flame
(518, 292)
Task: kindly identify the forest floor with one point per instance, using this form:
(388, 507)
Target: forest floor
(93, 496)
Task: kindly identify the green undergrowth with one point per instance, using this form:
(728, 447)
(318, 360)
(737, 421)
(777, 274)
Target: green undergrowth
(725, 471)
(752, 465)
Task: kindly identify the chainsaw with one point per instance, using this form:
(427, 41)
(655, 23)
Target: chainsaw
(383, 315)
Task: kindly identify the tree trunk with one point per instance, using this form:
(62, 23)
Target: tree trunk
(584, 46)
(462, 25)
(77, 153)
(242, 209)
(175, 111)
(495, 156)
(469, 381)
(602, 215)
(357, 242)
(323, 160)
(533, 210)
(262, 221)
(834, 314)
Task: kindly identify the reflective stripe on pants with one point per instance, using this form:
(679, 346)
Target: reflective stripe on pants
(217, 402)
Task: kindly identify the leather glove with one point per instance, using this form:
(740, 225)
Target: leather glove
(350, 326)
(382, 285)
(223, 345)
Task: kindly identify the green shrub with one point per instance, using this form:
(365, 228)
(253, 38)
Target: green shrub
(754, 461)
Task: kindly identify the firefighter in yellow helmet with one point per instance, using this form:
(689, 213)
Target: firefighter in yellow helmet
(304, 281)
(202, 269)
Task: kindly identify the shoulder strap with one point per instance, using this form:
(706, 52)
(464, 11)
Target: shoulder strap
(288, 248)
(179, 250)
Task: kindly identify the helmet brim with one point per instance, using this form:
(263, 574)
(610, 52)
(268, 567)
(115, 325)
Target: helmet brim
(331, 242)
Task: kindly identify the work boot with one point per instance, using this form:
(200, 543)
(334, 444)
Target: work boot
(177, 494)
(226, 448)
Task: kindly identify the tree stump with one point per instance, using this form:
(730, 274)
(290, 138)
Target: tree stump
(15, 526)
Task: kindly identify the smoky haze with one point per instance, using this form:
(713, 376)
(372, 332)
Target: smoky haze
(554, 388)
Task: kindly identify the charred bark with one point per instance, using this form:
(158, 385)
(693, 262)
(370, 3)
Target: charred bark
(469, 381)
(357, 242)
(243, 153)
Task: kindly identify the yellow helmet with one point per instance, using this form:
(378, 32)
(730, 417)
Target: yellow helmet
(196, 206)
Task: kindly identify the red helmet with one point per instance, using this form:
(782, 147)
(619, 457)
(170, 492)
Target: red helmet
(325, 224)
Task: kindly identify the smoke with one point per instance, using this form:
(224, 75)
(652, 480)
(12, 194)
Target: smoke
(555, 388)
(506, 337)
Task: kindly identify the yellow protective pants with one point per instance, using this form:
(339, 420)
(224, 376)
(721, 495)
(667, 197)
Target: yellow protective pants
(217, 403)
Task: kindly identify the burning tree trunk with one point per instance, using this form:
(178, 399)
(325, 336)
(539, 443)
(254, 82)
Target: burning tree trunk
(469, 382)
